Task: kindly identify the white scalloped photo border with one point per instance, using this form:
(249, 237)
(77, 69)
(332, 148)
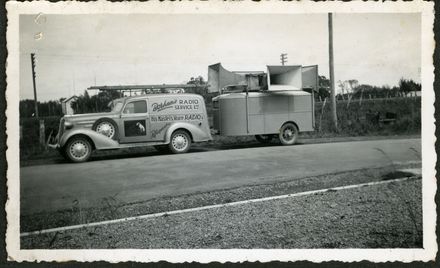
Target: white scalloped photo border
(14, 9)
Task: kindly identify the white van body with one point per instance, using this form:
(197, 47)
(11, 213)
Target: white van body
(175, 120)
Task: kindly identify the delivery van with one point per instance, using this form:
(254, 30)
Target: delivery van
(166, 121)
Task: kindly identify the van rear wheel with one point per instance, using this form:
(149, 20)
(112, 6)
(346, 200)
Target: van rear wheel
(180, 142)
(288, 134)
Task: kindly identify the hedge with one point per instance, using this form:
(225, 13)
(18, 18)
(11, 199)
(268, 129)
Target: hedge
(353, 117)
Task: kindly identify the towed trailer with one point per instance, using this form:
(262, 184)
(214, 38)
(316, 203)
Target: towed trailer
(275, 104)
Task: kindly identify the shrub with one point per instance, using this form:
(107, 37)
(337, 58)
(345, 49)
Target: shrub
(353, 117)
(30, 127)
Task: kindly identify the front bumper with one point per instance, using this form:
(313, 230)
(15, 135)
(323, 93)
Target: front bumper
(55, 142)
(53, 146)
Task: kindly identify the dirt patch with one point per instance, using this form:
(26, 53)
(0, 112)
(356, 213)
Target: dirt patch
(396, 174)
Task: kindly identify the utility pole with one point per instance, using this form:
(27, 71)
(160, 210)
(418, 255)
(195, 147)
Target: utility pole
(33, 80)
(283, 58)
(332, 70)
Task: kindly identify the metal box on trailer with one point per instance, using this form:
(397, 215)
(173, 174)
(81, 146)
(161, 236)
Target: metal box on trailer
(262, 113)
(269, 104)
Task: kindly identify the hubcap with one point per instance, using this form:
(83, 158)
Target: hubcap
(288, 133)
(106, 129)
(180, 142)
(79, 149)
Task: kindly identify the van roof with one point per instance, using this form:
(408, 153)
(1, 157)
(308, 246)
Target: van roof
(159, 95)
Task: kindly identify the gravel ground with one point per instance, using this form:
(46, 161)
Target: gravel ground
(112, 208)
(380, 216)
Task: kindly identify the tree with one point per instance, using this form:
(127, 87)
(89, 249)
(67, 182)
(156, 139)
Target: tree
(353, 84)
(409, 85)
(97, 103)
(200, 86)
(341, 85)
(47, 108)
(323, 88)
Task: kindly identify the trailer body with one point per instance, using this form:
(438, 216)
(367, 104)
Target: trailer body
(260, 113)
(261, 103)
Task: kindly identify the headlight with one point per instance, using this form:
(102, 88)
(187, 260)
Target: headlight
(68, 125)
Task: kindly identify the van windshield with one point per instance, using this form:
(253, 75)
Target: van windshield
(117, 106)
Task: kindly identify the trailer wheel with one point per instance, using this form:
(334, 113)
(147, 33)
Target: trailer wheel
(180, 142)
(264, 138)
(78, 149)
(288, 134)
(106, 127)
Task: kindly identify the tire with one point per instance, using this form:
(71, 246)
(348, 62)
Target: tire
(162, 148)
(288, 134)
(78, 149)
(265, 139)
(180, 142)
(106, 127)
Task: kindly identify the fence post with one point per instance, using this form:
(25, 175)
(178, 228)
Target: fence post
(42, 134)
(322, 112)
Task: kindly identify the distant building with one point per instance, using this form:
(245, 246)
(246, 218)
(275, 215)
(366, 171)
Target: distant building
(66, 105)
(415, 93)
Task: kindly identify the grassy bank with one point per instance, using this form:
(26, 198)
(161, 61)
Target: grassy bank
(362, 117)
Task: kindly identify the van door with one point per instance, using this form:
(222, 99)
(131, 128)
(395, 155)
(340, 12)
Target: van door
(135, 122)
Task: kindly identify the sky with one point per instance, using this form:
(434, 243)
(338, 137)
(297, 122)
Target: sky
(75, 52)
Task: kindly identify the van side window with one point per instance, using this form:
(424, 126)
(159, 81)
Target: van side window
(136, 107)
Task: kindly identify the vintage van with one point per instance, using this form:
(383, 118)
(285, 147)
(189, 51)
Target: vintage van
(166, 121)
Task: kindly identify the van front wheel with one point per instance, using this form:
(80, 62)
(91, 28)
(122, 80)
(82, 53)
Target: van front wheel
(288, 134)
(180, 142)
(78, 149)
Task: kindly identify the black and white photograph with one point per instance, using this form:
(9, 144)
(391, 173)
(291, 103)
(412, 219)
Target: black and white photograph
(279, 131)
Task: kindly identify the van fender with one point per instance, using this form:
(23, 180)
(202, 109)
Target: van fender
(197, 133)
(99, 141)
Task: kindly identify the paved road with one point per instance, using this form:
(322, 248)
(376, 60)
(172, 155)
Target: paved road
(54, 187)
